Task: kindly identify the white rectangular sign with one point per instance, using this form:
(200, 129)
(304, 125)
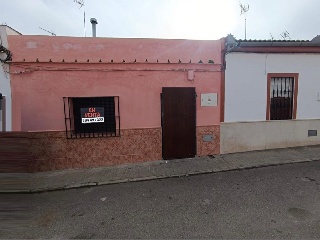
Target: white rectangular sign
(93, 120)
(92, 115)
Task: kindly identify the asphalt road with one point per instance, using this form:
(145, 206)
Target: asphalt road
(271, 202)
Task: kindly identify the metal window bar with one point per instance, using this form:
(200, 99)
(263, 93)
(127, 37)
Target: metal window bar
(281, 104)
(73, 118)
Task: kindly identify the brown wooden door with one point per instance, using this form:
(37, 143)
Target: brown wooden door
(178, 122)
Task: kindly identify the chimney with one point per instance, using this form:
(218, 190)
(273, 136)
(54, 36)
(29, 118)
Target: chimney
(94, 22)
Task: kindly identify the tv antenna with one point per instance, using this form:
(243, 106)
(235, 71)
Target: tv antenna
(271, 37)
(244, 9)
(53, 34)
(285, 35)
(81, 3)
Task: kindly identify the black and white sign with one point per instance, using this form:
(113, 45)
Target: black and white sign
(92, 115)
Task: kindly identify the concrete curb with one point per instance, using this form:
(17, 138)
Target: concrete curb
(110, 182)
(79, 178)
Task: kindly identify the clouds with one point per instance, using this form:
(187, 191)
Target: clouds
(202, 19)
(305, 21)
(273, 17)
(27, 16)
(192, 19)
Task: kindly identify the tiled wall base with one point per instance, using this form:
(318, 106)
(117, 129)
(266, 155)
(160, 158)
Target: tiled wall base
(208, 148)
(52, 151)
(47, 151)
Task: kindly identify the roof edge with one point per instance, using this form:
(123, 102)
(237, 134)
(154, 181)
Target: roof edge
(4, 25)
(234, 45)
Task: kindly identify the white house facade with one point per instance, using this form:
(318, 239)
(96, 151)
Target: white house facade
(272, 95)
(5, 88)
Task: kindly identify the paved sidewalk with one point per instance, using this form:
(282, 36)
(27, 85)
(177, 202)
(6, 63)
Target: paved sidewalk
(73, 178)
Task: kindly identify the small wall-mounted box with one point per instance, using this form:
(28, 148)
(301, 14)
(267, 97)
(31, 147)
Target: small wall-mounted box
(312, 133)
(207, 138)
(191, 75)
(318, 98)
(209, 99)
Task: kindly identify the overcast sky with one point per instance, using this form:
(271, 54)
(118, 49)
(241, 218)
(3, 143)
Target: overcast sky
(174, 19)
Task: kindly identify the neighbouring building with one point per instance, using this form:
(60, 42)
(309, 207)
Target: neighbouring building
(5, 89)
(89, 102)
(272, 94)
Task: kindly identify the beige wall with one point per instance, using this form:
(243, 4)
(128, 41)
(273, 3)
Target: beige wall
(249, 136)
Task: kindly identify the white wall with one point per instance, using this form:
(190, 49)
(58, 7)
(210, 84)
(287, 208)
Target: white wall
(11, 31)
(5, 88)
(246, 84)
(249, 136)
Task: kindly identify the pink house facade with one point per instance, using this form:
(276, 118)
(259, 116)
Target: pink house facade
(90, 102)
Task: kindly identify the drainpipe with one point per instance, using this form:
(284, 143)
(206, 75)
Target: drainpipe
(94, 22)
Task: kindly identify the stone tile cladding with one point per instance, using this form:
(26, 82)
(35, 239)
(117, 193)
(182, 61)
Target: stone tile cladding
(208, 148)
(52, 151)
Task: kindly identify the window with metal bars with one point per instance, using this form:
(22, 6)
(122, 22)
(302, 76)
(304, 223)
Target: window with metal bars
(281, 98)
(87, 117)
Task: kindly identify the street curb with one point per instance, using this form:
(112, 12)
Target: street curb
(140, 179)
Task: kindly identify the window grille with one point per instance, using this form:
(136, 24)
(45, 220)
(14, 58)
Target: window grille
(281, 98)
(87, 117)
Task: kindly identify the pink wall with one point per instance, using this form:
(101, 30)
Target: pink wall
(45, 48)
(38, 87)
